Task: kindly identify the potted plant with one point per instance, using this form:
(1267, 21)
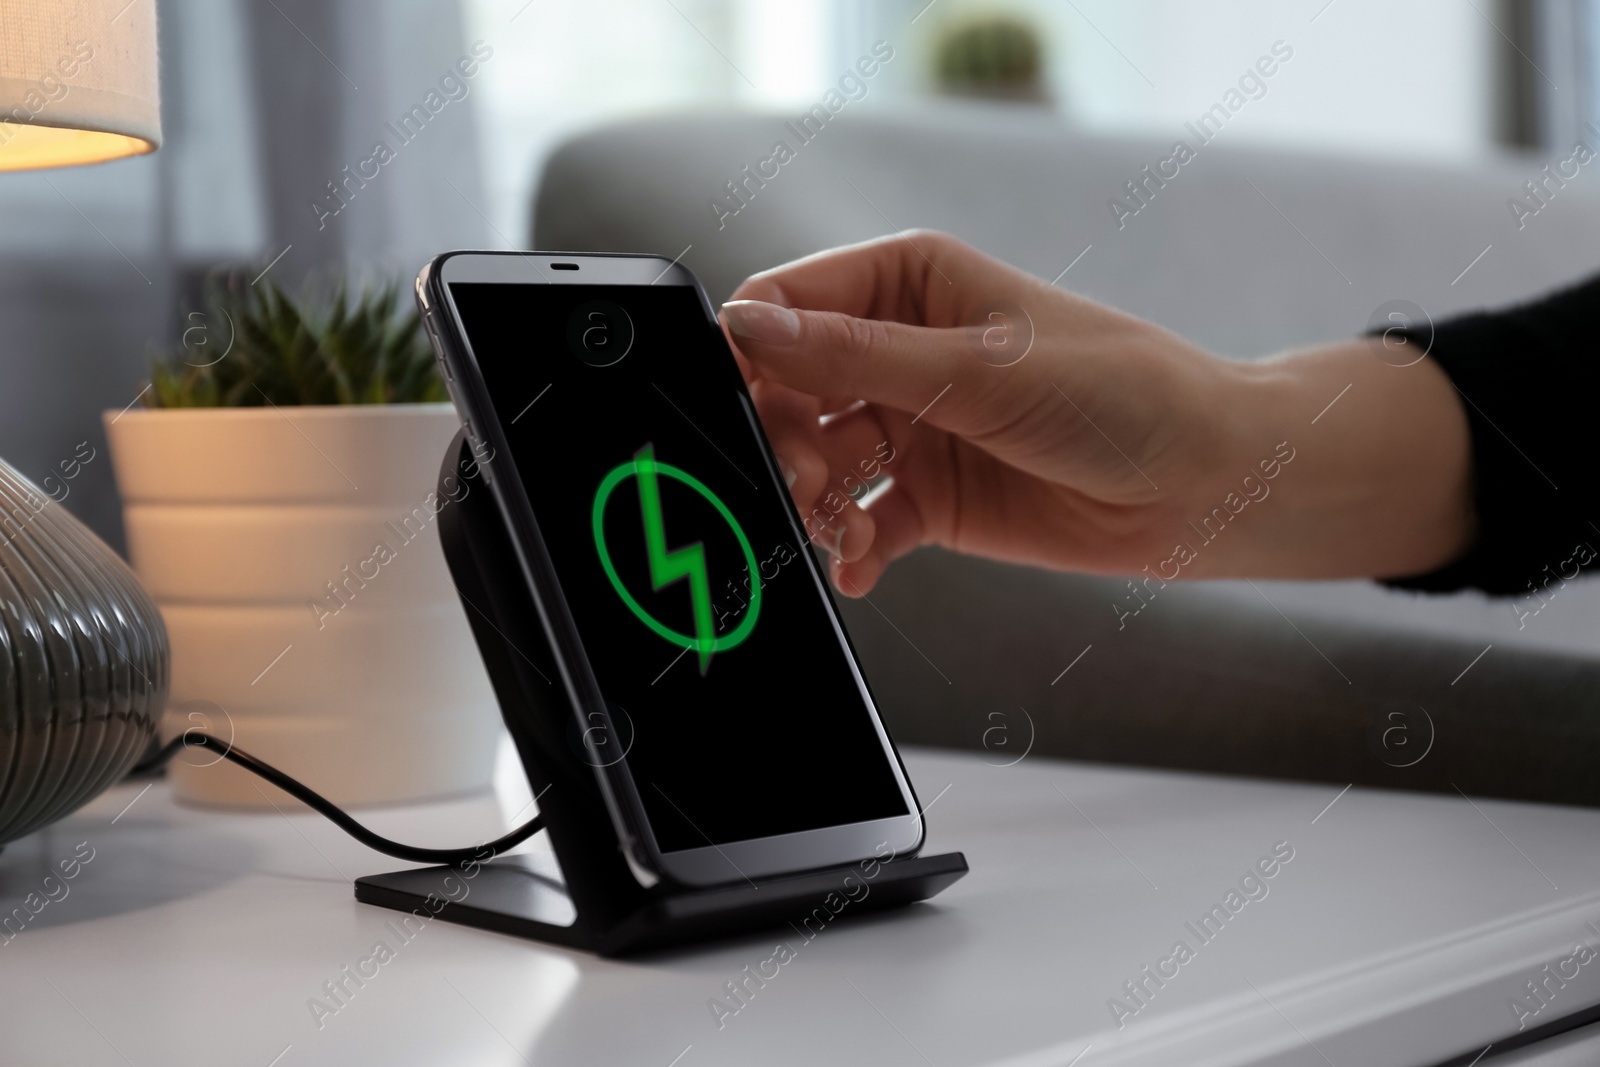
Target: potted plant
(280, 502)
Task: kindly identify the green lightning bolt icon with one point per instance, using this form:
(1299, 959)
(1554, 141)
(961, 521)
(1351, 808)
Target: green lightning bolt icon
(668, 567)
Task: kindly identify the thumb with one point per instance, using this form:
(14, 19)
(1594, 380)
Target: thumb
(826, 353)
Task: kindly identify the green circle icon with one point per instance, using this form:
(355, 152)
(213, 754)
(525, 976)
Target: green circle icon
(616, 477)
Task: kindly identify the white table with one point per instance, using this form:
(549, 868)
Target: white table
(1398, 934)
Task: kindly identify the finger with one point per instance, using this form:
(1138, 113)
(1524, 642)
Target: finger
(790, 422)
(805, 470)
(897, 530)
(833, 461)
(851, 442)
(926, 372)
(859, 455)
(752, 376)
(846, 535)
(837, 407)
(855, 447)
(777, 403)
(745, 369)
(920, 277)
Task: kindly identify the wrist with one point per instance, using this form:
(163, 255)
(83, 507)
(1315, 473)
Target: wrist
(1370, 464)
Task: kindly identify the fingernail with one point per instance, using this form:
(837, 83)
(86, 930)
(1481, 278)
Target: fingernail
(790, 476)
(761, 321)
(845, 586)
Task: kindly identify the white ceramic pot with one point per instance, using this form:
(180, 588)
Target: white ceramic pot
(294, 553)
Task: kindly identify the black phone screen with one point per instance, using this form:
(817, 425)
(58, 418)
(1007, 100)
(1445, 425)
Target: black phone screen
(705, 625)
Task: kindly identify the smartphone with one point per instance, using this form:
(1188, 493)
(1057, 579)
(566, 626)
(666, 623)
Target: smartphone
(671, 571)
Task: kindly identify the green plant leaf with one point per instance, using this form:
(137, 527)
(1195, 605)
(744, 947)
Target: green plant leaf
(350, 346)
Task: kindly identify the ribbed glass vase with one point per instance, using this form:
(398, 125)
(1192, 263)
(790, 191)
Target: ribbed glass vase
(84, 661)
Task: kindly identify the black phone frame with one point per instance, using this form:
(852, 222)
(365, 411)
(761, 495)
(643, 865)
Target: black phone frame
(618, 788)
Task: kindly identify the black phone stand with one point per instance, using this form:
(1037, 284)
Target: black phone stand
(592, 900)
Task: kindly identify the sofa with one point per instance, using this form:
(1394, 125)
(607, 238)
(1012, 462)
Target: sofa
(1247, 250)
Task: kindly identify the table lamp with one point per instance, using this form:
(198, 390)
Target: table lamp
(84, 660)
(79, 82)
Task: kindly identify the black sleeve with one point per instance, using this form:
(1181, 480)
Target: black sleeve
(1529, 381)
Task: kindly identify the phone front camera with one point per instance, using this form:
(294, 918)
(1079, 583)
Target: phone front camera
(600, 333)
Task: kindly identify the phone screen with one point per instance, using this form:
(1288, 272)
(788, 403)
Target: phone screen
(728, 684)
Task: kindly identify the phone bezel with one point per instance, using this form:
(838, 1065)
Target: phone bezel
(712, 864)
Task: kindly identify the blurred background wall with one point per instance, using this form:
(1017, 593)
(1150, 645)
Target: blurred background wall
(267, 101)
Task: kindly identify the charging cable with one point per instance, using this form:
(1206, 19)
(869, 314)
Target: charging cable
(325, 807)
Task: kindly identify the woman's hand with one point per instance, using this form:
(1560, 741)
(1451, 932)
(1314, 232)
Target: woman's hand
(1024, 423)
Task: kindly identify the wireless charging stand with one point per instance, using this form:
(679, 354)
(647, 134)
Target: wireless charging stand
(587, 897)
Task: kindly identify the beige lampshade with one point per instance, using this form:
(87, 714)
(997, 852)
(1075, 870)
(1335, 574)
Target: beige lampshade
(79, 82)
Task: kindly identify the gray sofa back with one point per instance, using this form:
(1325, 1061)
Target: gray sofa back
(1245, 251)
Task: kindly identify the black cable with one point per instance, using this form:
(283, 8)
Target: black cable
(325, 807)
